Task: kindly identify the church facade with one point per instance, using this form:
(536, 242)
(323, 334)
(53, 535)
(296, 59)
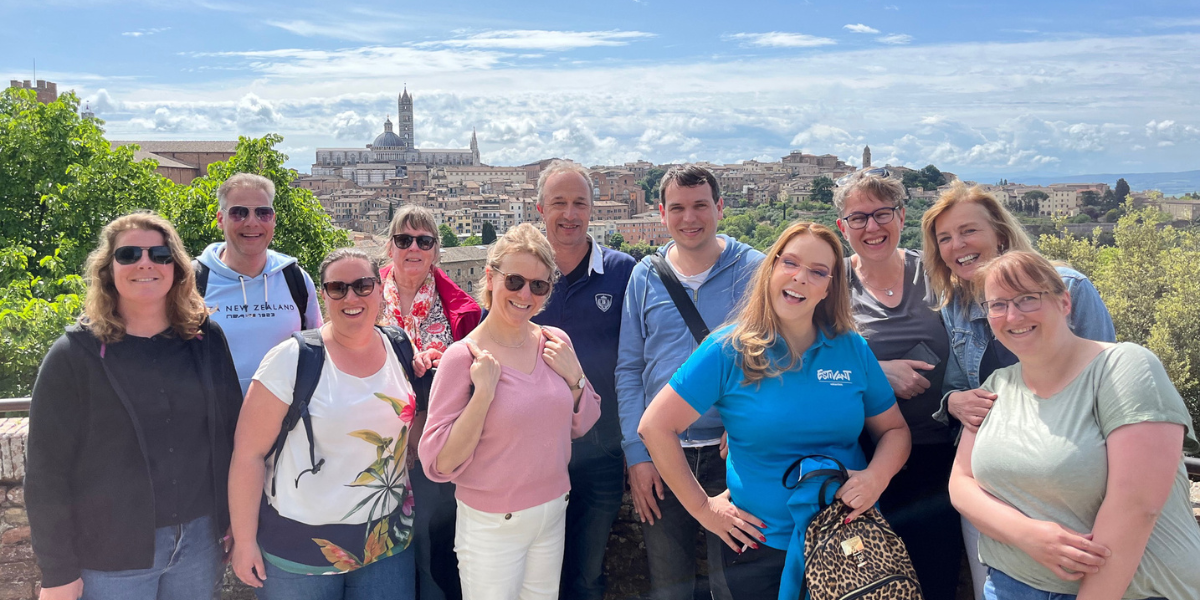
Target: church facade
(391, 152)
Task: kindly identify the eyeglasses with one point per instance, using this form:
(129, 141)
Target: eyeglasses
(876, 172)
(404, 240)
(127, 255)
(363, 286)
(882, 216)
(1024, 303)
(514, 283)
(266, 214)
(791, 267)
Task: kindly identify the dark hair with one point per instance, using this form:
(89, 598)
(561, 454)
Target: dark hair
(688, 176)
(344, 254)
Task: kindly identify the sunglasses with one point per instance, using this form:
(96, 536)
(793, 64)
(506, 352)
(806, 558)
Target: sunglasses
(404, 240)
(362, 286)
(127, 255)
(514, 283)
(266, 214)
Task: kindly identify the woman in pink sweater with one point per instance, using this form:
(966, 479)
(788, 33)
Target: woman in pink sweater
(505, 404)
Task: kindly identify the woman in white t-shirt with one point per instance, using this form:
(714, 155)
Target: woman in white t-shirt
(346, 510)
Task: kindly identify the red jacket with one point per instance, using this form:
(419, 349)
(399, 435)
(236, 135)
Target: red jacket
(461, 310)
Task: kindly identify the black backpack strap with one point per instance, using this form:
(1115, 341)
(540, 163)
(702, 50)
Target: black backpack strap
(201, 270)
(832, 476)
(308, 372)
(683, 302)
(295, 282)
(403, 348)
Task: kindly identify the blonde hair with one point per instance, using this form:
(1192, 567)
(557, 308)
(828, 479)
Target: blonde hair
(1008, 230)
(185, 306)
(1020, 271)
(522, 238)
(758, 327)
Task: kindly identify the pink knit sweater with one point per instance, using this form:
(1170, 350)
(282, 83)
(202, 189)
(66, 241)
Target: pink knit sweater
(521, 460)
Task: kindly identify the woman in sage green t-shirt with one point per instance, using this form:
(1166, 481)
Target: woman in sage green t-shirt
(1075, 478)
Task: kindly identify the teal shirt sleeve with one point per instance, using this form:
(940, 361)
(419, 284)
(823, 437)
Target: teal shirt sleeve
(878, 395)
(702, 378)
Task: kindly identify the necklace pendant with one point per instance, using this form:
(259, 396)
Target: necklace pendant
(889, 292)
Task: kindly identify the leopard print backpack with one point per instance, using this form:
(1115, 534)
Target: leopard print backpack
(862, 560)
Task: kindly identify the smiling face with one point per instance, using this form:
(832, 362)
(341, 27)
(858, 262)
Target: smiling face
(412, 263)
(143, 282)
(249, 237)
(797, 285)
(966, 238)
(566, 208)
(874, 242)
(1024, 333)
(517, 307)
(353, 312)
(691, 215)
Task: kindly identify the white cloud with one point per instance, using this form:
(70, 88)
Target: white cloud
(539, 39)
(896, 38)
(820, 134)
(860, 28)
(779, 39)
(368, 61)
(145, 32)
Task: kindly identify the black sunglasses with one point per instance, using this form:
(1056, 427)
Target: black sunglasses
(266, 214)
(404, 240)
(363, 286)
(514, 283)
(127, 255)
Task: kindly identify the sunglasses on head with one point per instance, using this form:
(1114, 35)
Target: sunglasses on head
(363, 286)
(127, 255)
(514, 283)
(404, 240)
(266, 214)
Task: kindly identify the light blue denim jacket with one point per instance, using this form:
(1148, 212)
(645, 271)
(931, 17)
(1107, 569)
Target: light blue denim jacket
(970, 333)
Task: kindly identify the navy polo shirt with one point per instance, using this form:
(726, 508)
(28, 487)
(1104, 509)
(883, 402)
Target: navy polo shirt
(589, 310)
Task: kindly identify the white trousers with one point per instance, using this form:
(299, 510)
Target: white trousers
(512, 556)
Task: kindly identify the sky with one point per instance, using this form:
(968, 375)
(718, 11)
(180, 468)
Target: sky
(982, 89)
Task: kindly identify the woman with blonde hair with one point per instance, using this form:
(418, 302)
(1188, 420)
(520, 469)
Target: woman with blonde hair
(790, 378)
(138, 402)
(963, 230)
(1076, 475)
(506, 403)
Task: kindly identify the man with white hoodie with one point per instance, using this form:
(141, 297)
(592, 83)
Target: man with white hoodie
(258, 296)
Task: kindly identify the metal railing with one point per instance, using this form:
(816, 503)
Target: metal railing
(22, 404)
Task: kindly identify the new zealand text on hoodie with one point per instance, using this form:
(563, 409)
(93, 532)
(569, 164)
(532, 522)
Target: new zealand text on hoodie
(256, 313)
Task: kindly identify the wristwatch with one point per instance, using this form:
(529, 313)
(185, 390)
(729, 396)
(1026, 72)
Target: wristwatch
(582, 382)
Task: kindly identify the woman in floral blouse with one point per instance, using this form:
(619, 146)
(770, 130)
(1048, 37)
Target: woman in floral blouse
(435, 313)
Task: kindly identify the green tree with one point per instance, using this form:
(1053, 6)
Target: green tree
(616, 240)
(473, 241)
(449, 240)
(1121, 191)
(928, 178)
(489, 233)
(638, 250)
(650, 182)
(822, 190)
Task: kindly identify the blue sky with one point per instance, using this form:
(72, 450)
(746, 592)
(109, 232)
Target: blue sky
(983, 89)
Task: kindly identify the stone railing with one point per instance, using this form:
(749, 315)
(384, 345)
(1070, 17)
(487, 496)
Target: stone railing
(19, 575)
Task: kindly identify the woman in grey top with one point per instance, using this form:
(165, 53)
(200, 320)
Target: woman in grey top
(893, 306)
(1075, 477)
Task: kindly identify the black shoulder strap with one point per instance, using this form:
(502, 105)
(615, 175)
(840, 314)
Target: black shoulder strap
(308, 373)
(403, 348)
(683, 302)
(295, 282)
(201, 270)
(832, 476)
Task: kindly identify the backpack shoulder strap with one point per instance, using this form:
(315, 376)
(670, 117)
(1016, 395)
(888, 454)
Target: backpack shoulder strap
(201, 270)
(295, 282)
(403, 348)
(308, 372)
(683, 302)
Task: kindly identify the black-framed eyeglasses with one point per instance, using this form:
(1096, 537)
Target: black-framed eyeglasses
(404, 240)
(876, 172)
(363, 286)
(128, 255)
(514, 283)
(266, 214)
(882, 216)
(1024, 303)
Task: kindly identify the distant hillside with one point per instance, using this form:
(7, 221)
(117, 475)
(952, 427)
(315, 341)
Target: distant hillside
(1170, 184)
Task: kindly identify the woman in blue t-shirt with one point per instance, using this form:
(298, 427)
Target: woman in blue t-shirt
(790, 378)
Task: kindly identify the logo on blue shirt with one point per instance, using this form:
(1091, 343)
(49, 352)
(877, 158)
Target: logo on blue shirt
(604, 302)
(834, 377)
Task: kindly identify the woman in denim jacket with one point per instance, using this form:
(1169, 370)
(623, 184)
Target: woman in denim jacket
(963, 230)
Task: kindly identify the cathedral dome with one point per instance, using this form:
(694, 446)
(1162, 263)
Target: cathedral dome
(387, 139)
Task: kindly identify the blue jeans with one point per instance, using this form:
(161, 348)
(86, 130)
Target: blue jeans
(393, 578)
(597, 485)
(1002, 587)
(187, 566)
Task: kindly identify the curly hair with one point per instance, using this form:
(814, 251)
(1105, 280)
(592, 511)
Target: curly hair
(185, 306)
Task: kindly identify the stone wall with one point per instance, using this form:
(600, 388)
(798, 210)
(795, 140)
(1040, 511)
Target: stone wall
(19, 575)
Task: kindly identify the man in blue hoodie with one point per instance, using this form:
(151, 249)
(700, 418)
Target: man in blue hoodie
(246, 284)
(714, 271)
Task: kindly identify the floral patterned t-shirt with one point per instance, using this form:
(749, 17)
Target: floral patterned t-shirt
(358, 508)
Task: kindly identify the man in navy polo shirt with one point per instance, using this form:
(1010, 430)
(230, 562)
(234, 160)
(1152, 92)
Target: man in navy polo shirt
(587, 303)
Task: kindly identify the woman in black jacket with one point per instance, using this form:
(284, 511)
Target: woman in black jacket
(131, 430)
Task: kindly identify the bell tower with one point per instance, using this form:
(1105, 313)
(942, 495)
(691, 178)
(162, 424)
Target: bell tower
(404, 121)
(866, 157)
